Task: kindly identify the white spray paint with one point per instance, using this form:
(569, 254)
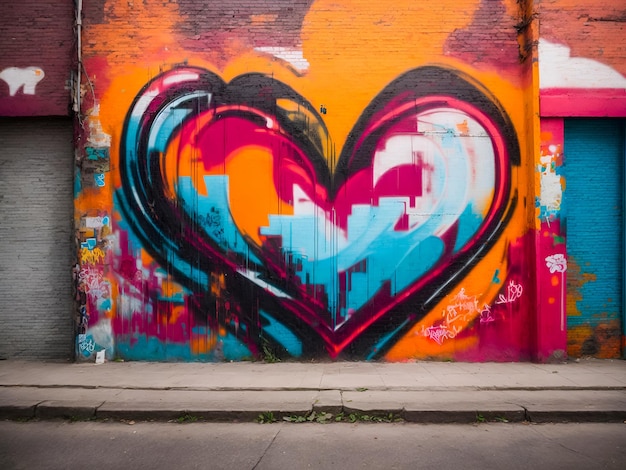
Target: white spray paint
(26, 78)
(557, 69)
(292, 56)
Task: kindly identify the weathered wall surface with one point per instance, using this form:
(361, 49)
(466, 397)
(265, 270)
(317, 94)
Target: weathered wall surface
(318, 179)
(325, 179)
(38, 42)
(582, 64)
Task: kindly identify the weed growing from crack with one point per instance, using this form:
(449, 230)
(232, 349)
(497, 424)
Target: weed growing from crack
(269, 355)
(324, 418)
(186, 418)
(266, 417)
(76, 419)
(24, 419)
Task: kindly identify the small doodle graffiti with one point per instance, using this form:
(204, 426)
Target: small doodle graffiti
(513, 292)
(89, 243)
(86, 344)
(463, 307)
(99, 179)
(556, 263)
(91, 279)
(486, 316)
(94, 165)
(441, 333)
(95, 222)
(91, 255)
(463, 310)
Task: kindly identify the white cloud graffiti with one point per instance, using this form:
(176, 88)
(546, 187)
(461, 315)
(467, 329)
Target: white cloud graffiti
(557, 69)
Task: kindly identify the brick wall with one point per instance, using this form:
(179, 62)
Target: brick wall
(308, 96)
(582, 65)
(38, 46)
(592, 29)
(323, 79)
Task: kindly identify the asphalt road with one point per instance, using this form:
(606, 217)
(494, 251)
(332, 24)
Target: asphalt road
(116, 445)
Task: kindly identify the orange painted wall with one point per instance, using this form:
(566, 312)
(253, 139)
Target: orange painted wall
(307, 117)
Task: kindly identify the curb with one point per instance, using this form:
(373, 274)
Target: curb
(50, 410)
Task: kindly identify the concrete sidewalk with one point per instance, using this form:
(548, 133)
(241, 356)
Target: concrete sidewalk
(587, 390)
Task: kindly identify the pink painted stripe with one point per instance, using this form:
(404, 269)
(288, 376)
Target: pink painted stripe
(583, 102)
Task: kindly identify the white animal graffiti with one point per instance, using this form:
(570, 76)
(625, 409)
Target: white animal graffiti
(26, 78)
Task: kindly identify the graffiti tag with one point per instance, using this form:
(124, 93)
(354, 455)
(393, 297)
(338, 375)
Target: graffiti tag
(486, 315)
(88, 256)
(89, 244)
(86, 345)
(513, 292)
(92, 282)
(463, 308)
(99, 179)
(94, 222)
(441, 332)
(94, 153)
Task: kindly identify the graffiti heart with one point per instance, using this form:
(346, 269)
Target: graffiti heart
(241, 181)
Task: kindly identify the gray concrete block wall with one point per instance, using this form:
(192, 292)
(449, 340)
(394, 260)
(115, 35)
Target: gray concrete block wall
(36, 207)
